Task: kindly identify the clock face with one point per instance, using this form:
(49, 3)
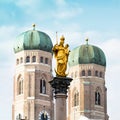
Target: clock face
(44, 116)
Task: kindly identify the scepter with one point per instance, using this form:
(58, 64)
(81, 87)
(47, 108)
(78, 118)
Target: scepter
(56, 38)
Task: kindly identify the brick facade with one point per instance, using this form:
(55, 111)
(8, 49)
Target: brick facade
(88, 81)
(28, 100)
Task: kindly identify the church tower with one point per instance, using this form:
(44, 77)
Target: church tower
(32, 98)
(87, 96)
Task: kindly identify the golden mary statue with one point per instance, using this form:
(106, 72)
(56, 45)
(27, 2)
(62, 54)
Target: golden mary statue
(61, 53)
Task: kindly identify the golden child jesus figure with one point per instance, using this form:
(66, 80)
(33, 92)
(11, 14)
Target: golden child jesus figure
(61, 54)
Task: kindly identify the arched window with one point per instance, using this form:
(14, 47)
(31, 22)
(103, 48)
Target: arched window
(83, 73)
(21, 60)
(20, 85)
(89, 72)
(43, 115)
(41, 59)
(76, 98)
(77, 101)
(101, 75)
(19, 117)
(46, 60)
(34, 59)
(27, 59)
(97, 98)
(96, 73)
(17, 61)
(43, 86)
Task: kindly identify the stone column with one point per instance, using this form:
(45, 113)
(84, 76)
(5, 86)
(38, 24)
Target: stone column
(60, 86)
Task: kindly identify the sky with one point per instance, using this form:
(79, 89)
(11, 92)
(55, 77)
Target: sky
(97, 20)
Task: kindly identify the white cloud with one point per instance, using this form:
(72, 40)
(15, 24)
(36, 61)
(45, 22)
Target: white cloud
(67, 10)
(6, 31)
(7, 35)
(60, 2)
(30, 8)
(112, 83)
(111, 48)
(60, 9)
(67, 13)
(92, 35)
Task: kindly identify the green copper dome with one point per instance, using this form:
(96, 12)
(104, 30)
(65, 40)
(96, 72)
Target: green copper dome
(87, 54)
(33, 40)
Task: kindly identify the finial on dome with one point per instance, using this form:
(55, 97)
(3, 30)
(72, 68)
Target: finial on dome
(33, 26)
(86, 41)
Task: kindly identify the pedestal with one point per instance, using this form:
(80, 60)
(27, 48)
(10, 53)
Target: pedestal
(60, 86)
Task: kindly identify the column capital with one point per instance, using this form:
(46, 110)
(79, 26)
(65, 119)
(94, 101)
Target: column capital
(60, 84)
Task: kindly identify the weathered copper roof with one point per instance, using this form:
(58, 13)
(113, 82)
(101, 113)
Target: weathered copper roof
(33, 40)
(87, 54)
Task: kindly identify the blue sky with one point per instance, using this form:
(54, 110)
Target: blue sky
(98, 20)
